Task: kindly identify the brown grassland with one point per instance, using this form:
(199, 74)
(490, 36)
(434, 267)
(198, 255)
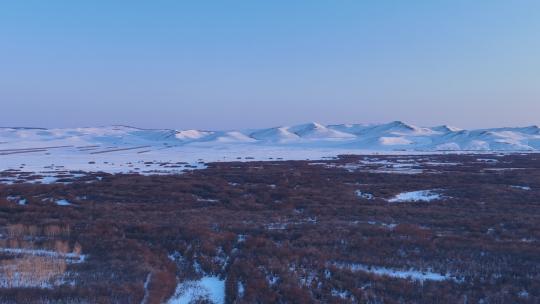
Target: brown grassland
(281, 229)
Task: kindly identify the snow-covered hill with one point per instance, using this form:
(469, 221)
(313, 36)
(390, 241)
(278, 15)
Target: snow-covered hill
(87, 147)
(395, 135)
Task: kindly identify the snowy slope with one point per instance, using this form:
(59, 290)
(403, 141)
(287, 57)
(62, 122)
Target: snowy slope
(315, 130)
(280, 134)
(395, 135)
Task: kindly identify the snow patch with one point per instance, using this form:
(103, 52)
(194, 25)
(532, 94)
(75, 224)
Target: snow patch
(392, 141)
(343, 294)
(63, 202)
(411, 274)
(364, 195)
(241, 289)
(526, 188)
(70, 257)
(416, 196)
(209, 287)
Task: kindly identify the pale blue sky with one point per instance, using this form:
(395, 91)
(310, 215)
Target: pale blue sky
(238, 64)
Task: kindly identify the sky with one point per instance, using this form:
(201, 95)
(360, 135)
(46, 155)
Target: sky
(248, 64)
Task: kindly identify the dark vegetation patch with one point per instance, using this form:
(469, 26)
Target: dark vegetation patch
(281, 229)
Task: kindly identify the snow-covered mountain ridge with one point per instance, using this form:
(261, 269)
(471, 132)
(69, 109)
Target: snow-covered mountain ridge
(393, 136)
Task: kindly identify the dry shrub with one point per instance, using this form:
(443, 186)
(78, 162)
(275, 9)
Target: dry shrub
(61, 246)
(31, 271)
(57, 230)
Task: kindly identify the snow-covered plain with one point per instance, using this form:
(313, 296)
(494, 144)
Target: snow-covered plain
(116, 149)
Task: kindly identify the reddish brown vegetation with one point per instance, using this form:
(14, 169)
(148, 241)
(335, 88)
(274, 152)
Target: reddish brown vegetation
(277, 228)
